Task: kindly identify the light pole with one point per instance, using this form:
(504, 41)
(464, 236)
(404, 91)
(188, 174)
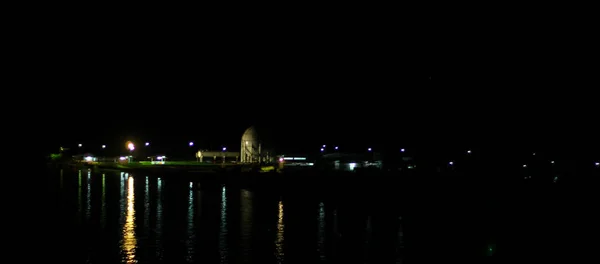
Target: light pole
(130, 147)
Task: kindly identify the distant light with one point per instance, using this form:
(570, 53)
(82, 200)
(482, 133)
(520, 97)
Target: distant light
(335, 147)
(451, 162)
(524, 165)
(88, 158)
(402, 150)
(280, 159)
(123, 158)
(147, 144)
(80, 145)
(323, 145)
(191, 143)
(351, 166)
(369, 149)
(130, 146)
(469, 151)
(159, 158)
(597, 163)
(533, 153)
(224, 148)
(552, 162)
(103, 146)
(322, 149)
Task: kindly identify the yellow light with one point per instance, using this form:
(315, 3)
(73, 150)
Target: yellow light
(130, 146)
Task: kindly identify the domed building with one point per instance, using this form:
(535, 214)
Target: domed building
(253, 148)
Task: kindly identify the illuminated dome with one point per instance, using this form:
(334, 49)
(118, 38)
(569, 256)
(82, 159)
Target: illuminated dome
(252, 148)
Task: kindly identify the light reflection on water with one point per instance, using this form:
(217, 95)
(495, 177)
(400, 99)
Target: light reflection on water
(190, 224)
(88, 196)
(321, 231)
(79, 190)
(279, 239)
(223, 248)
(246, 211)
(103, 201)
(159, 216)
(129, 239)
(146, 203)
(136, 236)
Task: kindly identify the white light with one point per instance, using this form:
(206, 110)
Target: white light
(323, 145)
(80, 145)
(322, 149)
(401, 150)
(123, 158)
(191, 144)
(552, 162)
(351, 166)
(103, 146)
(147, 144)
(224, 149)
(369, 149)
(524, 165)
(88, 158)
(451, 162)
(469, 151)
(288, 158)
(159, 158)
(336, 148)
(597, 163)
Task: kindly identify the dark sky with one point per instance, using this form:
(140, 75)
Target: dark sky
(355, 89)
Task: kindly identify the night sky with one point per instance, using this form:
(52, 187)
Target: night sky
(108, 88)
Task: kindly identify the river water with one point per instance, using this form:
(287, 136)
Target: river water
(119, 217)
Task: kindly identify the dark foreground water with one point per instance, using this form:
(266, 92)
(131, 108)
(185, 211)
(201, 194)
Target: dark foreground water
(117, 217)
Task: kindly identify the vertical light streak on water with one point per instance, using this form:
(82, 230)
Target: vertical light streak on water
(79, 190)
(279, 240)
(158, 216)
(190, 225)
(223, 249)
(103, 201)
(122, 197)
(246, 212)
(129, 243)
(321, 231)
(88, 196)
(146, 204)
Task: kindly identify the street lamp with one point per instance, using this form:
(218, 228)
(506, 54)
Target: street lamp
(224, 149)
(191, 143)
(130, 146)
(369, 149)
(336, 147)
(80, 145)
(147, 144)
(103, 146)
